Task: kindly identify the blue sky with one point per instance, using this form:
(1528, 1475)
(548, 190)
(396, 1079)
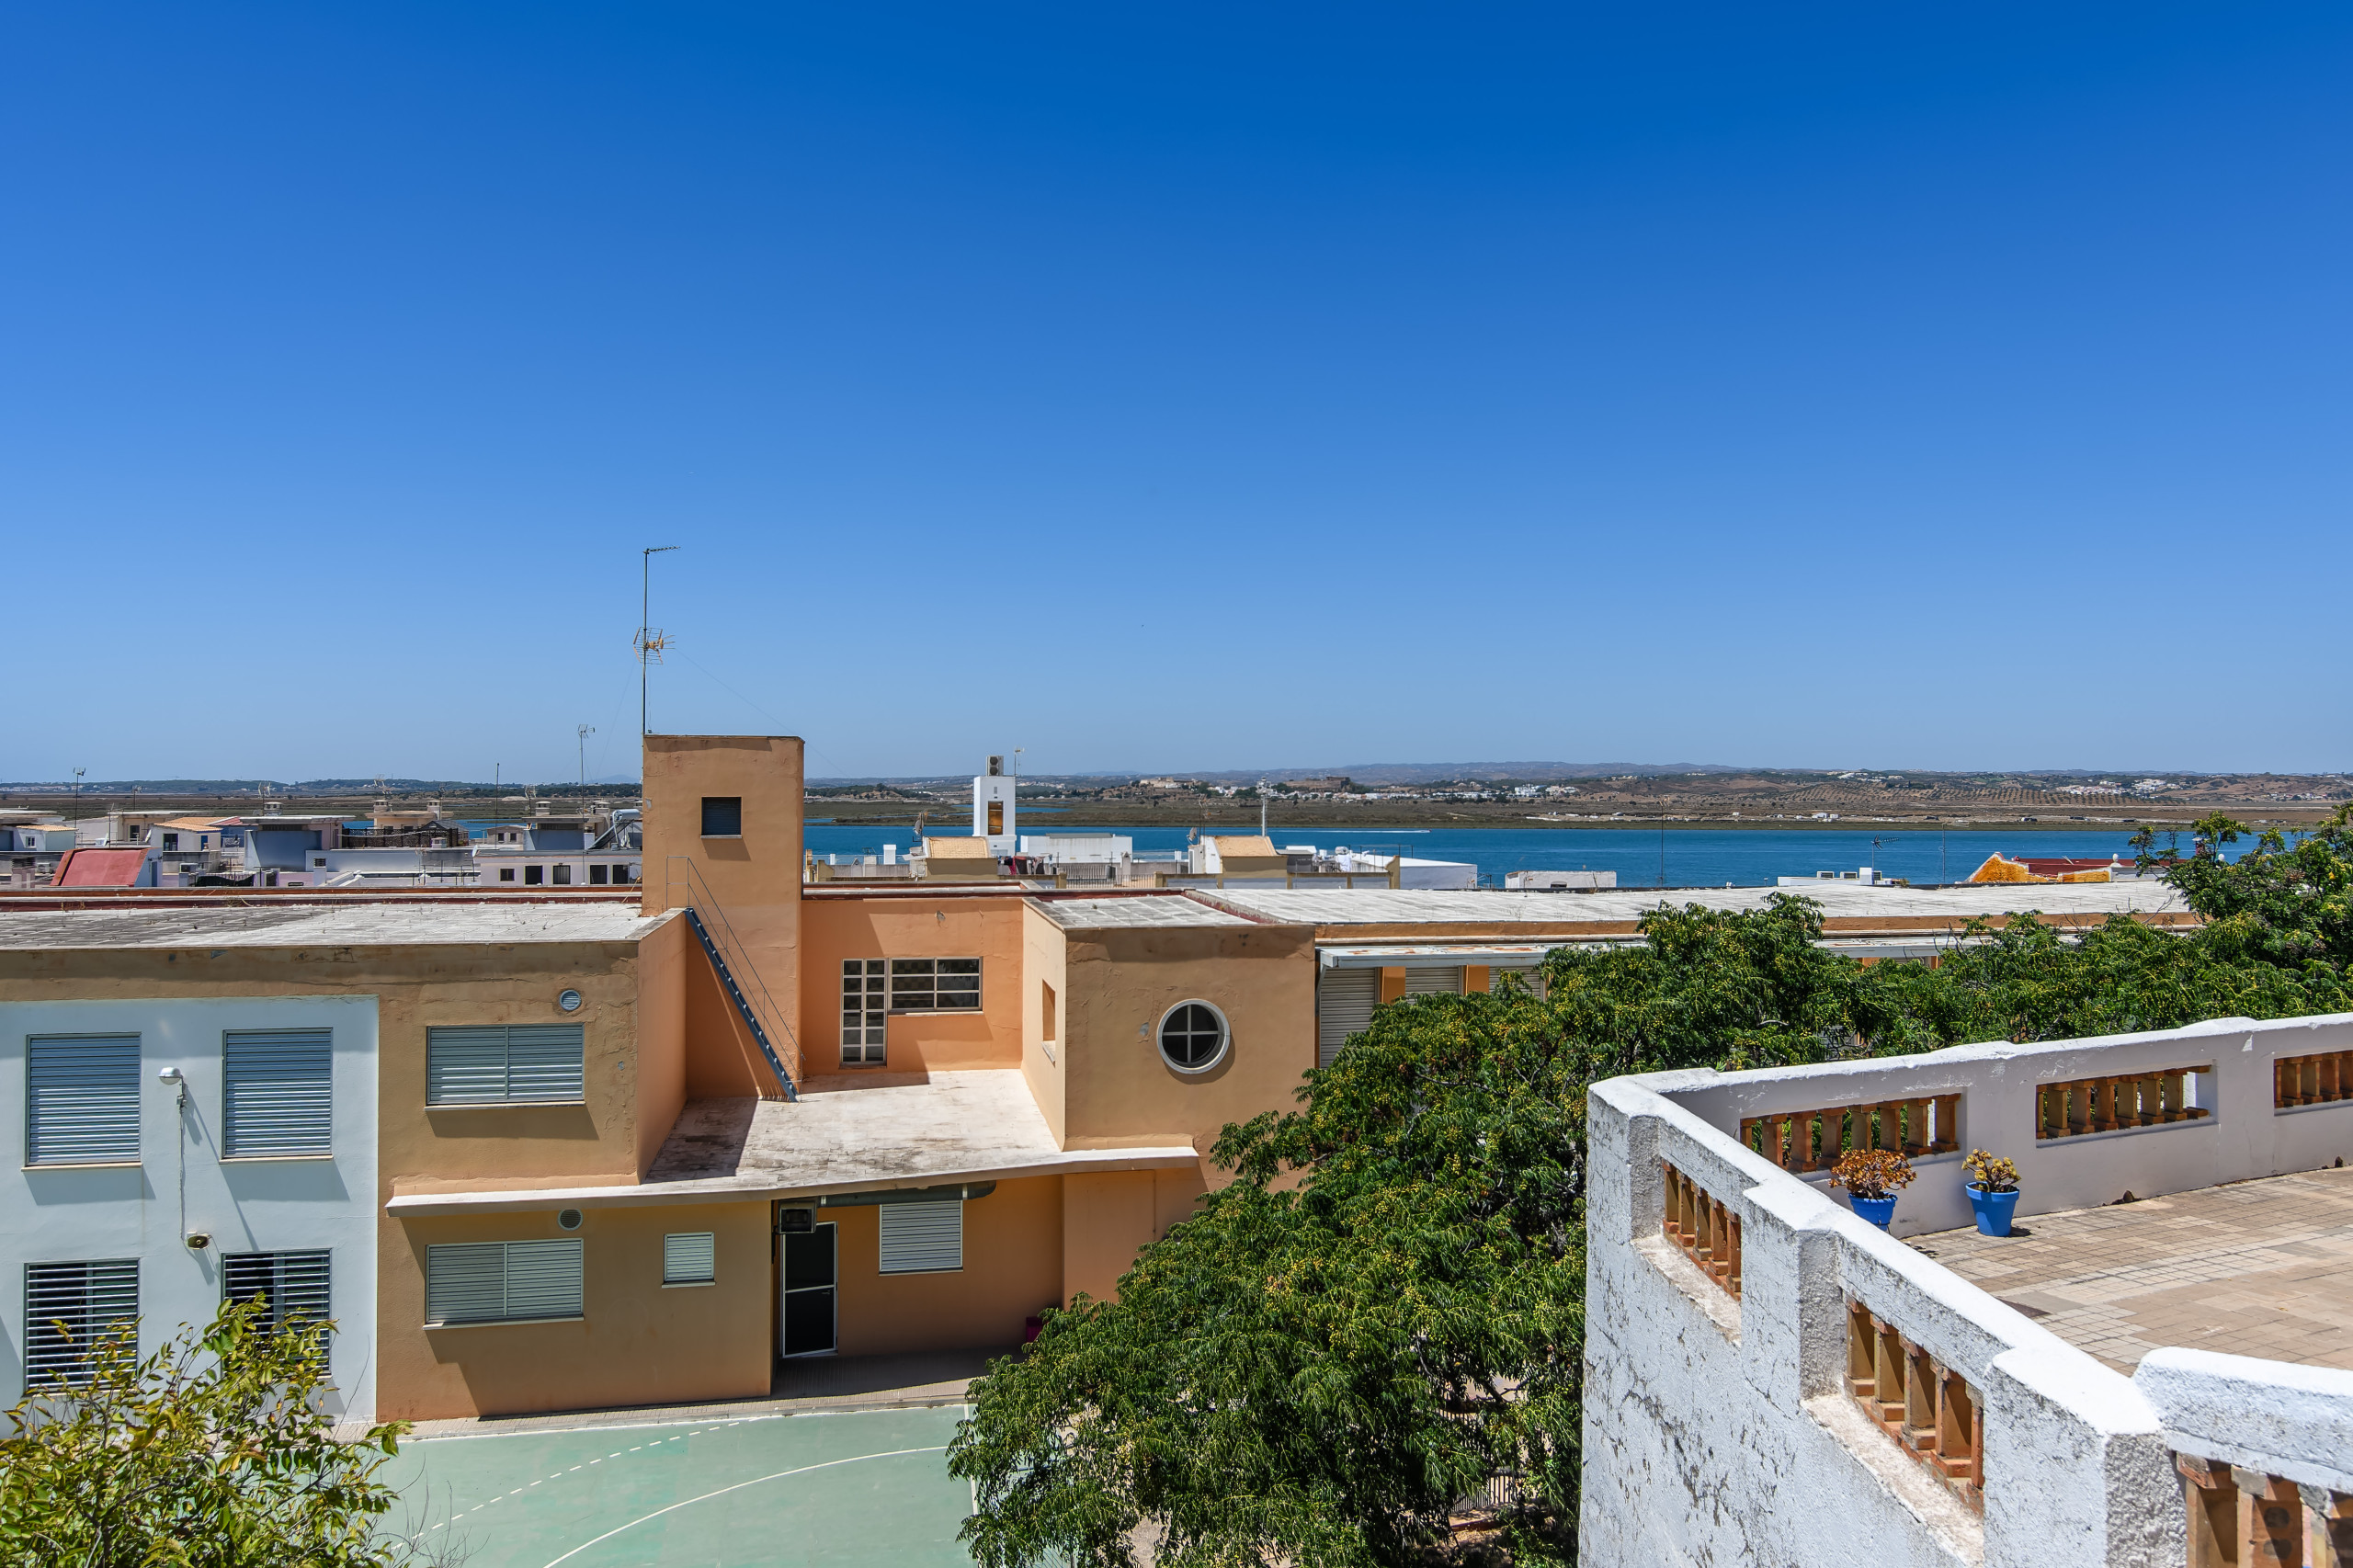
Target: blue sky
(1175, 387)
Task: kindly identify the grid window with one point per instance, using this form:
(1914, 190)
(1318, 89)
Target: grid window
(502, 1281)
(934, 985)
(1192, 1037)
(81, 1100)
(295, 1285)
(866, 1013)
(505, 874)
(68, 1307)
(277, 1093)
(505, 1064)
(689, 1258)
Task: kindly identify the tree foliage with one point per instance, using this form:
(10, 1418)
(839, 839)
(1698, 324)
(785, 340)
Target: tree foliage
(1385, 1306)
(215, 1451)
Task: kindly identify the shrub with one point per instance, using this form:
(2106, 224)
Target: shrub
(1990, 1173)
(1872, 1173)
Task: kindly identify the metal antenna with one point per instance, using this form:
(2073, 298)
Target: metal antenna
(650, 643)
(585, 731)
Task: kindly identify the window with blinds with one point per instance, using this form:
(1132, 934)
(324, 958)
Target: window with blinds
(1344, 1003)
(295, 1285)
(505, 1065)
(276, 1097)
(933, 985)
(81, 1100)
(922, 1238)
(68, 1307)
(689, 1258)
(502, 1281)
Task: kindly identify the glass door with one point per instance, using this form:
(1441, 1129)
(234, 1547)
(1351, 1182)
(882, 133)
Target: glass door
(805, 1306)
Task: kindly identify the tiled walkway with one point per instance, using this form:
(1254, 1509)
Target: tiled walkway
(2254, 1268)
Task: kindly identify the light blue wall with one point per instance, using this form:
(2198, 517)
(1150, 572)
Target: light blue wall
(92, 1213)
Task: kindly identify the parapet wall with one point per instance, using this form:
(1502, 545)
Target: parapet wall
(1771, 1379)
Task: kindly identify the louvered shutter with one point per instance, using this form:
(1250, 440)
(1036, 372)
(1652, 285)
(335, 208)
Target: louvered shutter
(689, 1258)
(68, 1306)
(922, 1238)
(544, 1062)
(465, 1066)
(1431, 980)
(277, 1093)
(543, 1279)
(297, 1284)
(1344, 1003)
(81, 1100)
(465, 1282)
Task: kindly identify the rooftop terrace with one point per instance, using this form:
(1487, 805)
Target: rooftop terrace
(344, 924)
(2258, 1268)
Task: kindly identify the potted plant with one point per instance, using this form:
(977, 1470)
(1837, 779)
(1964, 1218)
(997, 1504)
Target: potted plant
(1871, 1177)
(1992, 1188)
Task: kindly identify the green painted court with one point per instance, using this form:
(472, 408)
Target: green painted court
(868, 1487)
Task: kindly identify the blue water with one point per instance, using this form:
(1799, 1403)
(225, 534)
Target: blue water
(1694, 857)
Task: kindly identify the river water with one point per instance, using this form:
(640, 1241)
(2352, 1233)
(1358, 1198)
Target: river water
(1641, 857)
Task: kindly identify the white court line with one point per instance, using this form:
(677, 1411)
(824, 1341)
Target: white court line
(780, 1476)
(568, 1431)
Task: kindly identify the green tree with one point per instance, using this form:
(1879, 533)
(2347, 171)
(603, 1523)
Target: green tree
(2280, 903)
(215, 1451)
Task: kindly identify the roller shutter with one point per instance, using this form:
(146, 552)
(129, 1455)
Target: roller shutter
(68, 1306)
(689, 1258)
(503, 1281)
(1344, 1003)
(1432, 980)
(81, 1100)
(922, 1238)
(277, 1095)
(297, 1285)
(501, 1063)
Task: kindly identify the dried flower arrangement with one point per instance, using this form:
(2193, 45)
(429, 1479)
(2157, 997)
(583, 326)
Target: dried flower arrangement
(1990, 1173)
(1871, 1173)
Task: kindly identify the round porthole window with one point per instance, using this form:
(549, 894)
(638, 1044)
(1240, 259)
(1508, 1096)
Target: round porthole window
(568, 1218)
(568, 1000)
(1193, 1037)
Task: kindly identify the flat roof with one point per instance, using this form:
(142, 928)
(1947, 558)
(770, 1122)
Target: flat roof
(846, 1133)
(2252, 1268)
(1129, 909)
(1842, 901)
(357, 924)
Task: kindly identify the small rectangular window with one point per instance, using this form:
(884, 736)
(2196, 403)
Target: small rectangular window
(68, 1308)
(935, 985)
(505, 874)
(564, 876)
(922, 1238)
(722, 816)
(596, 876)
(1046, 1011)
(532, 875)
(996, 818)
(689, 1258)
(503, 1281)
(505, 1063)
(81, 1100)
(277, 1093)
(171, 841)
(296, 1285)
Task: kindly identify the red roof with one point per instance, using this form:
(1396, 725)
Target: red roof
(99, 869)
(2056, 868)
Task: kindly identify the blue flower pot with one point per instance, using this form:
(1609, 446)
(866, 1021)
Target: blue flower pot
(1878, 1210)
(1994, 1210)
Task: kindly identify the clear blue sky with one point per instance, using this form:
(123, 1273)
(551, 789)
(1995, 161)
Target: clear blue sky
(1175, 387)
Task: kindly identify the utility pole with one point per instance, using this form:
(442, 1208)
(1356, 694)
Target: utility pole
(585, 731)
(1262, 808)
(650, 643)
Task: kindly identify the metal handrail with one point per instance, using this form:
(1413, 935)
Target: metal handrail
(768, 1018)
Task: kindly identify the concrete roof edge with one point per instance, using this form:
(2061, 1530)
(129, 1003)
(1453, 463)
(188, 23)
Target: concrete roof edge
(742, 1189)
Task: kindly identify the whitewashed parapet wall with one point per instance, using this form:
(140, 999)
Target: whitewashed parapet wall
(2244, 1135)
(1720, 1431)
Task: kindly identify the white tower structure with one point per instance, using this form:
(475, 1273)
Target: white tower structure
(993, 807)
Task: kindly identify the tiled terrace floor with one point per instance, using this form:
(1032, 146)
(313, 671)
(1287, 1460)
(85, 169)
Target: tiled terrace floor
(2254, 1268)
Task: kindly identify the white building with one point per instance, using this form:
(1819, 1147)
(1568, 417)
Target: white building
(993, 809)
(1769, 1378)
(159, 1155)
(1558, 882)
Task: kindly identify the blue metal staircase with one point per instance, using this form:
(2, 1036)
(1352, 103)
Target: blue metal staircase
(742, 1004)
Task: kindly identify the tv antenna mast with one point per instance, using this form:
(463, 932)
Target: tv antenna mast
(650, 642)
(585, 731)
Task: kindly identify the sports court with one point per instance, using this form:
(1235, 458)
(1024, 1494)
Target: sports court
(853, 1487)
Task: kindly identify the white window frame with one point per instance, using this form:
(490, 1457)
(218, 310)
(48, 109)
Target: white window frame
(921, 1238)
(689, 1258)
(917, 984)
(866, 1026)
(1216, 1058)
